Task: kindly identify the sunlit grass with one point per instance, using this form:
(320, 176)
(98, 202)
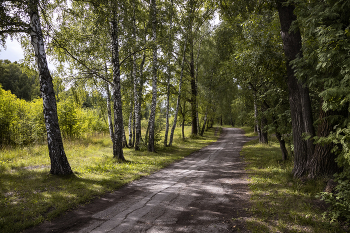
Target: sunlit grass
(279, 202)
(30, 195)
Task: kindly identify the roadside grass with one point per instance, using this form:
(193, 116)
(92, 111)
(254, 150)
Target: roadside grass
(279, 202)
(29, 194)
(249, 131)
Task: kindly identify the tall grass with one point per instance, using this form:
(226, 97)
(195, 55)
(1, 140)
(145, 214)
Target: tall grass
(279, 202)
(30, 195)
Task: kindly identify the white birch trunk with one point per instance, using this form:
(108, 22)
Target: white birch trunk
(170, 48)
(178, 96)
(151, 123)
(118, 112)
(59, 162)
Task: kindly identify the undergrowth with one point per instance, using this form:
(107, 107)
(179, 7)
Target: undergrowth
(29, 194)
(281, 203)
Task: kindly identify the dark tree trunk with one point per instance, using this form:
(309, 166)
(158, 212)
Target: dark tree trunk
(282, 146)
(264, 136)
(151, 147)
(323, 163)
(193, 86)
(292, 47)
(307, 117)
(118, 114)
(256, 125)
(59, 161)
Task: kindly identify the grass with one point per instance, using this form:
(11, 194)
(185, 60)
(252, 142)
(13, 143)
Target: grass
(29, 194)
(249, 131)
(279, 202)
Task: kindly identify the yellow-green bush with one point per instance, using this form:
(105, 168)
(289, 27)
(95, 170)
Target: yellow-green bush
(22, 122)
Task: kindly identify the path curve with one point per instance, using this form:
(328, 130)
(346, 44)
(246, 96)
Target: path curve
(205, 192)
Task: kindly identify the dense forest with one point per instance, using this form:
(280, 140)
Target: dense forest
(279, 66)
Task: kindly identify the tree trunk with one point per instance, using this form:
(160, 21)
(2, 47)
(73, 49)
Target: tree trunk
(323, 163)
(118, 112)
(170, 51)
(138, 105)
(264, 138)
(193, 88)
(130, 126)
(109, 113)
(292, 47)
(308, 119)
(178, 95)
(59, 161)
(282, 146)
(154, 78)
(204, 123)
(256, 126)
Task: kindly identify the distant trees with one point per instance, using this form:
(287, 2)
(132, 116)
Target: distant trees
(19, 83)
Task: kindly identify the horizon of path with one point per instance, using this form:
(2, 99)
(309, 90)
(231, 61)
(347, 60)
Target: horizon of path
(206, 191)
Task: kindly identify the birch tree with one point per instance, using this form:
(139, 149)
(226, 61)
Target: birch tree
(14, 24)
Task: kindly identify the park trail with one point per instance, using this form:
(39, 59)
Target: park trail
(205, 192)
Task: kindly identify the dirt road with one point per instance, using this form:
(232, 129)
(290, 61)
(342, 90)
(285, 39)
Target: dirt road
(205, 192)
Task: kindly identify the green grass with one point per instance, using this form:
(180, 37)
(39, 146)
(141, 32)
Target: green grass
(249, 131)
(30, 195)
(279, 202)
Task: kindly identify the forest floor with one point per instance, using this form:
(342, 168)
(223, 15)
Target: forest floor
(205, 192)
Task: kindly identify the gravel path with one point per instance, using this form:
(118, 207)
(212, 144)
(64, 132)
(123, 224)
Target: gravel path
(205, 192)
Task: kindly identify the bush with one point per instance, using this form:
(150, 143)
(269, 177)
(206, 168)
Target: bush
(340, 199)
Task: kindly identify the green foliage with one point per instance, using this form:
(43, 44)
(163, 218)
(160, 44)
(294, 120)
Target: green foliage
(326, 65)
(21, 122)
(13, 79)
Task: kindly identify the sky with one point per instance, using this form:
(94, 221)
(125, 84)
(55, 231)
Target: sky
(13, 52)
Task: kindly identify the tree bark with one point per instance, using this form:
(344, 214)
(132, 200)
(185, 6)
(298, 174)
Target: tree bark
(151, 147)
(118, 112)
(307, 117)
(109, 113)
(58, 158)
(178, 95)
(130, 126)
(292, 47)
(204, 123)
(264, 136)
(193, 87)
(170, 48)
(323, 163)
(256, 126)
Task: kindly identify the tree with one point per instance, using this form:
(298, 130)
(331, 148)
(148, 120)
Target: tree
(59, 162)
(153, 17)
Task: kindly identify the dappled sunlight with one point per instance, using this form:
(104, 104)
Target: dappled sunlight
(281, 203)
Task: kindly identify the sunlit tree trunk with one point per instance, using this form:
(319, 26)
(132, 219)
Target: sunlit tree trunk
(154, 78)
(118, 114)
(109, 113)
(170, 51)
(59, 161)
(178, 95)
